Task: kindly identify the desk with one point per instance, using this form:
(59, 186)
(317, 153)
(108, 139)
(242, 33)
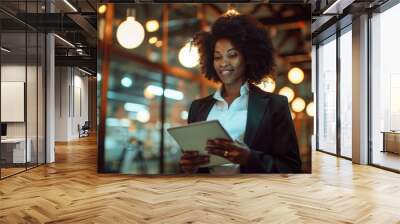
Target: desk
(391, 141)
(16, 147)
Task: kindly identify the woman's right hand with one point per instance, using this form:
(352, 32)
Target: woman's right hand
(191, 160)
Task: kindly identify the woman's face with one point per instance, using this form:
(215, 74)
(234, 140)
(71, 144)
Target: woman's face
(228, 62)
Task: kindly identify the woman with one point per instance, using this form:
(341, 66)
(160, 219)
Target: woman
(237, 53)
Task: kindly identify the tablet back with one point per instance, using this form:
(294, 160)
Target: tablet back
(194, 136)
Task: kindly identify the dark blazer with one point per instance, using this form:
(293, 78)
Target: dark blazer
(270, 133)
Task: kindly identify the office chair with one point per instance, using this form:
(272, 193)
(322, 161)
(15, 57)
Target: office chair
(84, 130)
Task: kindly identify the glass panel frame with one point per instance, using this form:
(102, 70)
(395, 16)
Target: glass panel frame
(384, 114)
(26, 62)
(326, 104)
(345, 92)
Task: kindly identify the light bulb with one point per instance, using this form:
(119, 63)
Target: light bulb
(310, 109)
(152, 40)
(298, 105)
(130, 33)
(268, 85)
(158, 43)
(152, 26)
(231, 12)
(102, 9)
(288, 92)
(189, 56)
(296, 75)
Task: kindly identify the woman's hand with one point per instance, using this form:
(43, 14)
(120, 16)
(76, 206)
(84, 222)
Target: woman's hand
(191, 160)
(235, 152)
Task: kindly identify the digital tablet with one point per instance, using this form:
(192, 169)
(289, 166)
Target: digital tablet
(194, 136)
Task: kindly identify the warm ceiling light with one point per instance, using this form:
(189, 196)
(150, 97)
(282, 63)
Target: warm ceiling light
(153, 40)
(64, 40)
(152, 25)
(189, 56)
(267, 84)
(84, 71)
(158, 43)
(231, 12)
(296, 75)
(70, 5)
(130, 33)
(102, 9)
(337, 7)
(298, 105)
(5, 50)
(288, 92)
(310, 109)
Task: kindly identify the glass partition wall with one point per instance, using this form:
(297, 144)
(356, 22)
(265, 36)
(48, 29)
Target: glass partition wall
(133, 119)
(327, 95)
(149, 88)
(385, 89)
(143, 99)
(334, 94)
(345, 92)
(22, 77)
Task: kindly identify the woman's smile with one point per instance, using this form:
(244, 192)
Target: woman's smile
(226, 72)
(229, 63)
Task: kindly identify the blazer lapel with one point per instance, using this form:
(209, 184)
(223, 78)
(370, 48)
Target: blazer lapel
(257, 107)
(205, 108)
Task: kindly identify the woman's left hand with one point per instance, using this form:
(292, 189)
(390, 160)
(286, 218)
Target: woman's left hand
(234, 151)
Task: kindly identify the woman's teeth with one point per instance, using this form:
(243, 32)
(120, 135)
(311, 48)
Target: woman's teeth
(226, 72)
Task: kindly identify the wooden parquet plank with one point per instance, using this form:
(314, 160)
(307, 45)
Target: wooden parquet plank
(70, 191)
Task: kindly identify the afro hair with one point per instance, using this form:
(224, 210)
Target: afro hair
(248, 36)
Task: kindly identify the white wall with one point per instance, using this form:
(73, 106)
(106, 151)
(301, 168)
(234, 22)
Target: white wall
(12, 73)
(33, 126)
(71, 102)
(61, 103)
(50, 94)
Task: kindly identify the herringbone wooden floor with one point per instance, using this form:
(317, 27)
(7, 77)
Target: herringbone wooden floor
(70, 191)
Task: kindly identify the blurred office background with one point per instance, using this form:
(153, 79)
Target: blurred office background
(143, 50)
(356, 81)
(48, 79)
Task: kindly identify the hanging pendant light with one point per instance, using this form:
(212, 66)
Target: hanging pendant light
(152, 25)
(267, 84)
(296, 75)
(231, 11)
(189, 56)
(298, 104)
(130, 33)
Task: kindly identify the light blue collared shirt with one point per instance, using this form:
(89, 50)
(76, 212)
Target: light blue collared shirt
(233, 118)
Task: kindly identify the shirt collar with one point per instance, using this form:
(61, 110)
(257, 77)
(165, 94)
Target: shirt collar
(244, 89)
